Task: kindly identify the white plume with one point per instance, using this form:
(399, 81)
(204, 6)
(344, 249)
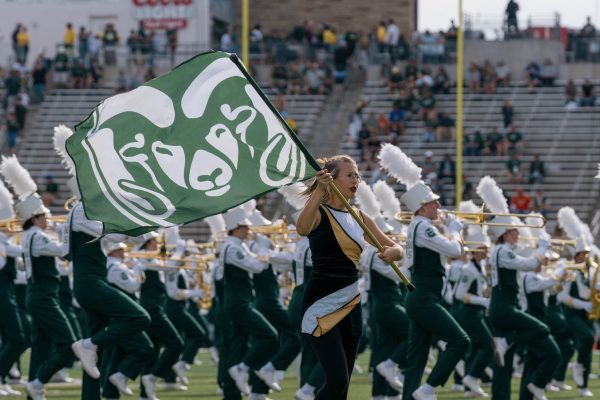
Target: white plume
(17, 177)
(61, 134)
(598, 174)
(399, 165)
(573, 226)
(536, 232)
(171, 235)
(291, 194)
(468, 206)
(6, 203)
(366, 200)
(492, 195)
(249, 206)
(388, 202)
(216, 224)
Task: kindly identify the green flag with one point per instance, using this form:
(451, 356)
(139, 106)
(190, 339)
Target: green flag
(189, 144)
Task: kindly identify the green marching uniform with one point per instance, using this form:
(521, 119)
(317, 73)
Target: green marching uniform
(561, 331)
(167, 342)
(11, 326)
(509, 321)
(472, 306)
(178, 292)
(576, 298)
(390, 324)
(535, 288)
(223, 339)
(52, 334)
(248, 323)
(65, 295)
(428, 318)
(21, 300)
(331, 307)
(266, 289)
(113, 318)
(311, 373)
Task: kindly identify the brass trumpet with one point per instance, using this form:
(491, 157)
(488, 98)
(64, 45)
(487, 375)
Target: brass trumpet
(15, 225)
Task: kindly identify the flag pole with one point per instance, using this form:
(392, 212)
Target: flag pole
(310, 159)
(245, 27)
(459, 105)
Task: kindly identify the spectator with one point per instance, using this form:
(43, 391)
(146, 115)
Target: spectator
(447, 170)
(588, 30)
(441, 81)
(405, 102)
(340, 61)
(474, 78)
(50, 191)
(411, 70)
(121, 85)
(61, 68)
(468, 190)
(329, 38)
(521, 202)
(395, 80)
(512, 23)
(445, 127)
(537, 172)
(110, 40)
(97, 74)
(396, 120)
(502, 74)
(172, 42)
(69, 40)
(473, 145)
(570, 93)
(383, 124)
(15, 42)
(256, 39)
(435, 184)
(493, 143)
(489, 78)
(79, 75)
(39, 75)
(20, 114)
(540, 202)
(548, 73)
(314, 79)
(380, 36)
(295, 80)
(12, 130)
(279, 78)
(532, 75)
(588, 98)
(508, 113)
(356, 119)
(428, 164)
(13, 84)
(23, 40)
(364, 138)
(513, 169)
(514, 140)
(82, 38)
(427, 103)
(94, 46)
(392, 36)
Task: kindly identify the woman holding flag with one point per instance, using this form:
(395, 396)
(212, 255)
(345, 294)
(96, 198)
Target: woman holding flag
(331, 313)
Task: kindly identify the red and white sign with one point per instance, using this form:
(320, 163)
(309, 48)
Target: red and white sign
(163, 14)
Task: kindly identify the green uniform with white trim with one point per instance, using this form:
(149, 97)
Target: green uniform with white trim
(428, 318)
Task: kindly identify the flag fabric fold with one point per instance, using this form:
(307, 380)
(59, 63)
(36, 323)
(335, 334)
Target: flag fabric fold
(189, 144)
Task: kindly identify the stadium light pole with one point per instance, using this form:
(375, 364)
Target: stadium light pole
(245, 31)
(459, 105)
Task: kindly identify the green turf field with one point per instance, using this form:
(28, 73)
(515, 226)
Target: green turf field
(203, 386)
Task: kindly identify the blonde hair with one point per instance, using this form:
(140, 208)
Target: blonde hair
(331, 164)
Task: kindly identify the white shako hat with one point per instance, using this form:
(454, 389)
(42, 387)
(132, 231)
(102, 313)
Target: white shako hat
(581, 245)
(254, 215)
(477, 238)
(20, 180)
(148, 236)
(235, 217)
(508, 222)
(417, 196)
(108, 246)
(31, 206)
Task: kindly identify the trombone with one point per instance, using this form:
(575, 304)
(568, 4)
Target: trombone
(476, 218)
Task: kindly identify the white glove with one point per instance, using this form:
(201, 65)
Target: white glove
(543, 245)
(559, 273)
(455, 227)
(481, 301)
(582, 305)
(195, 293)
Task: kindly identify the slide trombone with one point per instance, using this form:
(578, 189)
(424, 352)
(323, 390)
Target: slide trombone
(476, 218)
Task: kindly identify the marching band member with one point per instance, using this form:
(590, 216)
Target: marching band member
(425, 248)
(470, 295)
(238, 266)
(331, 306)
(267, 302)
(576, 298)
(389, 319)
(53, 339)
(167, 341)
(178, 293)
(13, 340)
(507, 319)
